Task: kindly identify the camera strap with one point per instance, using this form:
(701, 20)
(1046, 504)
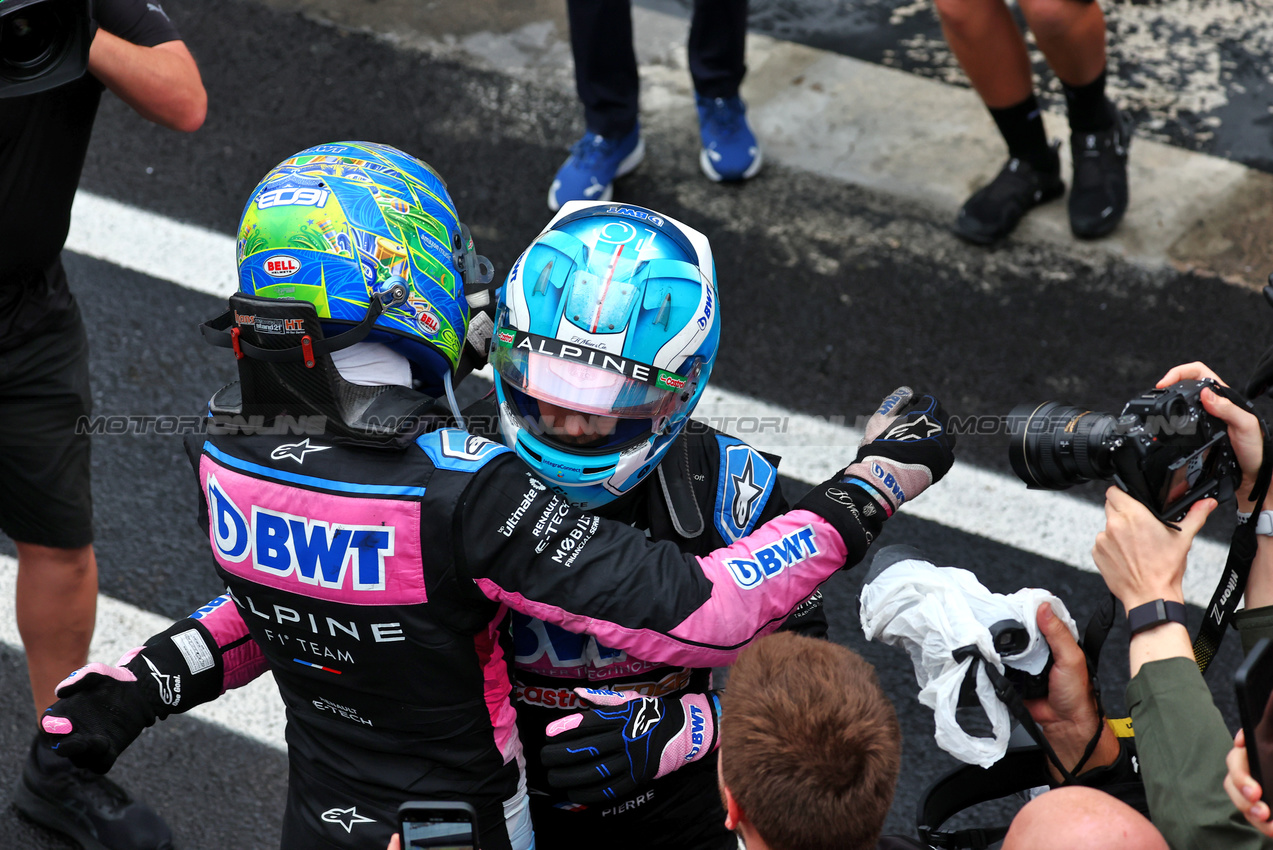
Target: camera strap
(1009, 696)
(1237, 567)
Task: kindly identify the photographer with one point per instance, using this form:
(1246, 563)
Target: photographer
(1181, 737)
(45, 502)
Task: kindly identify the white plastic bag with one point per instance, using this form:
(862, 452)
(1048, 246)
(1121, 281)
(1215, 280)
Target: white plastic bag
(932, 611)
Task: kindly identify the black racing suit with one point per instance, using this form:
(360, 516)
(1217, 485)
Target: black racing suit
(709, 490)
(375, 582)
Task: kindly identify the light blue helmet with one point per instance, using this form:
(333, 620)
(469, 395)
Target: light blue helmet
(611, 311)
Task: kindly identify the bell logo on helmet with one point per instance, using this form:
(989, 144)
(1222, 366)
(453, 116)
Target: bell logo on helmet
(282, 265)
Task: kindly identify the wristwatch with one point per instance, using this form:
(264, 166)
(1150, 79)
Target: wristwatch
(1155, 614)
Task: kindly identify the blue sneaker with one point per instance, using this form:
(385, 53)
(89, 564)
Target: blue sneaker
(730, 150)
(594, 163)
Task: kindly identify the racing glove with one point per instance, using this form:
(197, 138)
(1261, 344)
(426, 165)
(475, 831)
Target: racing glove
(613, 750)
(905, 450)
(102, 709)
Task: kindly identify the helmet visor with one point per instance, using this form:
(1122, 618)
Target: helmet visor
(584, 379)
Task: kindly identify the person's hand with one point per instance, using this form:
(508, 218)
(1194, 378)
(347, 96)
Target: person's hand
(1067, 716)
(394, 844)
(1243, 427)
(905, 450)
(1243, 790)
(100, 711)
(1140, 558)
(608, 753)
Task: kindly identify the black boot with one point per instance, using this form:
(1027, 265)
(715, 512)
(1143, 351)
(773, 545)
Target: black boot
(86, 807)
(997, 208)
(1099, 196)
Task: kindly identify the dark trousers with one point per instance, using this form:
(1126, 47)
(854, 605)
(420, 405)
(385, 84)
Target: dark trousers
(606, 67)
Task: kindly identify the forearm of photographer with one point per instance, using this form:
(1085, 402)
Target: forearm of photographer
(1068, 717)
(1256, 619)
(1181, 739)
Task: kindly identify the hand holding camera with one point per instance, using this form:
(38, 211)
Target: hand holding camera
(1068, 716)
(1243, 428)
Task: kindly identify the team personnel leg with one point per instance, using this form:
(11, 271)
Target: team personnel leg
(717, 44)
(609, 87)
(56, 607)
(605, 64)
(46, 507)
(717, 47)
(1071, 34)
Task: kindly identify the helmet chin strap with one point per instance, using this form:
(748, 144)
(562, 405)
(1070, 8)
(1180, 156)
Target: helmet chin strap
(450, 399)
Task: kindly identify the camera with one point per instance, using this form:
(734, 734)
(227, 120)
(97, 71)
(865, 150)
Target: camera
(1164, 449)
(1011, 638)
(43, 44)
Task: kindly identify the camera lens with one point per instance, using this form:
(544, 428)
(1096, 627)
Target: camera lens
(31, 40)
(1054, 446)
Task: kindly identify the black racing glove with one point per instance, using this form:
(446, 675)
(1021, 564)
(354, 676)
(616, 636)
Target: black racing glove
(102, 709)
(612, 751)
(905, 450)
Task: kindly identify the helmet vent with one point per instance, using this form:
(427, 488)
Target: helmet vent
(541, 285)
(665, 312)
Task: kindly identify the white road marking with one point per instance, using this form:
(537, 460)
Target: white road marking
(971, 500)
(254, 711)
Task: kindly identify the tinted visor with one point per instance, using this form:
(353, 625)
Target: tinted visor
(586, 380)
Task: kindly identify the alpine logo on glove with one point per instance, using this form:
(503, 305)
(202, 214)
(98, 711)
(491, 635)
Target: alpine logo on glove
(645, 718)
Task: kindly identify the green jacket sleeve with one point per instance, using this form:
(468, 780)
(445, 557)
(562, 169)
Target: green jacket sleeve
(1253, 624)
(1181, 740)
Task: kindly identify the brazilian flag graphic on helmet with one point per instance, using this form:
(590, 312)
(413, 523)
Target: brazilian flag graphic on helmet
(337, 223)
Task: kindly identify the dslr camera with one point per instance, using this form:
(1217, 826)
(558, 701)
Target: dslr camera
(43, 44)
(1164, 449)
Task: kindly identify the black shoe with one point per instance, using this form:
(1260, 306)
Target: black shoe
(86, 807)
(1099, 196)
(996, 209)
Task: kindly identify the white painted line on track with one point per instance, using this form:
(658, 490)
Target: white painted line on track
(189, 256)
(254, 711)
(971, 500)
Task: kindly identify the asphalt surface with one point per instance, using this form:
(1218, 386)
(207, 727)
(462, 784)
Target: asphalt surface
(831, 296)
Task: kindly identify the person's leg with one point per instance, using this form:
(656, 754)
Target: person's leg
(985, 39)
(56, 606)
(717, 55)
(609, 87)
(1071, 35)
(605, 64)
(717, 47)
(46, 507)
(989, 47)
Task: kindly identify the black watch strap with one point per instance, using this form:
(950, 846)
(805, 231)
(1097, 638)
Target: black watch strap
(1155, 614)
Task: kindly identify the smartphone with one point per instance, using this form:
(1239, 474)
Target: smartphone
(443, 825)
(1254, 684)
